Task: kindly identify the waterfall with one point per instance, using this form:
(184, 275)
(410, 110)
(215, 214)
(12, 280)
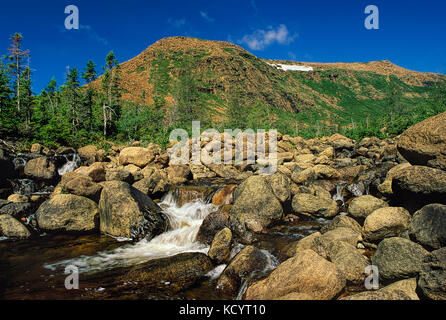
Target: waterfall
(70, 165)
(185, 222)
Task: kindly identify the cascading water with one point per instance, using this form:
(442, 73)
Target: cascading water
(70, 165)
(185, 222)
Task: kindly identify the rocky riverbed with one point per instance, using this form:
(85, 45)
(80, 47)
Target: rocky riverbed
(137, 226)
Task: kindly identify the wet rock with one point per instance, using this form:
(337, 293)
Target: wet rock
(224, 195)
(400, 290)
(41, 169)
(385, 223)
(153, 184)
(254, 200)
(180, 271)
(306, 273)
(12, 228)
(18, 198)
(280, 184)
(17, 210)
(342, 221)
(140, 157)
(305, 203)
(220, 251)
(68, 213)
(88, 154)
(119, 175)
(83, 186)
(428, 226)
(432, 279)
(424, 141)
(187, 194)
(398, 258)
(211, 225)
(362, 206)
(416, 186)
(249, 260)
(303, 244)
(127, 212)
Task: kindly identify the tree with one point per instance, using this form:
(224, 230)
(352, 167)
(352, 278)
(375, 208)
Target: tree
(111, 91)
(89, 76)
(17, 65)
(7, 114)
(72, 97)
(26, 94)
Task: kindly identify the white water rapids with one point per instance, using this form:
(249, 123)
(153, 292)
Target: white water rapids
(185, 223)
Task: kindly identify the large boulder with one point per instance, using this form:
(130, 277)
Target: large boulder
(255, 205)
(41, 169)
(280, 184)
(249, 260)
(68, 212)
(179, 272)
(398, 258)
(211, 225)
(342, 221)
(362, 206)
(315, 205)
(400, 290)
(385, 223)
(12, 228)
(220, 250)
(432, 279)
(95, 171)
(306, 273)
(88, 154)
(83, 186)
(428, 226)
(425, 141)
(138, 156)
(417, 186)
(127, 212)
(386, 186)
(119, 175)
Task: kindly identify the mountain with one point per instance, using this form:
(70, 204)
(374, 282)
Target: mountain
(334, 93)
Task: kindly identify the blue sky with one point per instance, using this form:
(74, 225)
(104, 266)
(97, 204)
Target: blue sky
(411, 34)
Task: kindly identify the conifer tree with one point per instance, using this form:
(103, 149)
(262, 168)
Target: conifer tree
(111, 92)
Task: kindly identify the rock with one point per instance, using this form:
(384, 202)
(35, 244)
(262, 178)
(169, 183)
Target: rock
(211, 225)
(295, 296)
(220, 251)
(385, 223)
(68, 213)
(306, 273)
(18, 198)
(140, 157)
(224, 195)
(349, 261)
(119, 175)
(224, 171)
(398, 258)
(386, 186)
(127, 212)
(323, 245)
(342, 221)
(41, 169)
(254, 200)
(96, 171)
(303, 244)
(248, 260)
(17, 210)
(400, 290)
(177, 174)
(280, 184)
(83, 186)
(12, 228)
(424, 141)
(416, 186)
(428, 226)
(201, 172)
(36, 148)
(362, 206)
(432, 279)
(88, 154)
(153, 184)
(180, 271)
(306, 203)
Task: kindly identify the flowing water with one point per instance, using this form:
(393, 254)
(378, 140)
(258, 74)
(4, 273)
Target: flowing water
(70, 165)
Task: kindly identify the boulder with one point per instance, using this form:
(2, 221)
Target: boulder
(153, 183)
(18, 198)
(428, 226)
(88, 154)
(248, 260)
(180, 271)
(386, 186)
(119, 175)
(305, 203)
(432, 279)
(220, 251)
(306, 273)
(416, 186)
(342, 221)
(177, 174)
(362, 206)
(385, 223)
(127, 212)
(17, 210)
(398, 258)
(400, 290)
(211, 225)
(83, 186)
(280, 184)
(12, 228)
(323, 245)
(138, 156)
(95, 171)
(303, 244)
(424, 141)
(224, 195)
(41, 169)
(68, 213)
(36, 148)
(254, 201)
